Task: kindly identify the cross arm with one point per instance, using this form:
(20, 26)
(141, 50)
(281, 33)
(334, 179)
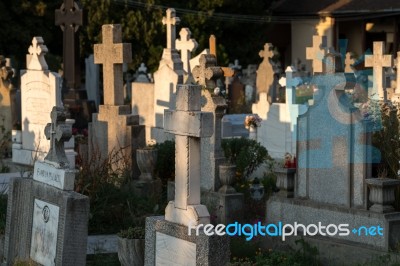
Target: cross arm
(193, 124)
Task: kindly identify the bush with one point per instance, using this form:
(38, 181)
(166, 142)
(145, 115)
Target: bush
(132, 233)
(247, 154)
(165, 166)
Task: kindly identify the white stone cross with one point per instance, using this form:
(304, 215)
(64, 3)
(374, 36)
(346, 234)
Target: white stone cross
(112, 54)
(171, 21)
(189, 125)
(317, 53)
(58, 132)
(236, 65)
(37, 51)
(186, 46)
(378, 61)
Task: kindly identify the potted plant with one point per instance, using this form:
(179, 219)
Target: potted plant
(131, 246)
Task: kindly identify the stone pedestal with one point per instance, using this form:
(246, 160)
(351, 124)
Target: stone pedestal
(285, 181)
(224, 208)
(169, 243)
(382, 193)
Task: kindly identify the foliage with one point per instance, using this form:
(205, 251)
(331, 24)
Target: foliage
(103, 259)
(247, 154)
(165, 166)
(307, 255)
(113, 204)
(29, 262)
(132, 233)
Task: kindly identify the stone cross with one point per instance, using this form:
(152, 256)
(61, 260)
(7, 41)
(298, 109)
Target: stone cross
(171, 21)
(208, 71)
(378, 61)
(35, 59)
(70, 17)
(112, 54)
(349, 63)
(142, 68)
(317, 53)
(236, 65)
(186, 46)
(228, 72)
(58, 132)
(189, 125)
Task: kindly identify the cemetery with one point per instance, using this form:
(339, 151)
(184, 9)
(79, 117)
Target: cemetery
(199, 133)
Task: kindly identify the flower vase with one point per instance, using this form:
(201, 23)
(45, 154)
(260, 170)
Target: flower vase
(253, 132)
(146, 160)
(227, 174)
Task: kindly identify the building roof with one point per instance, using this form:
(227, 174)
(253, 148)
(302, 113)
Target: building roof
(336, 8)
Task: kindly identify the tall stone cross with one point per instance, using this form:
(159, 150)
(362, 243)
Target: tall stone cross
(317, 53)
(58, 132)
(70, 17)
(171, 21)
(112, 54)
(208, 71)
(189, 125)
(378, 61)
(227, 71)
(186, 45)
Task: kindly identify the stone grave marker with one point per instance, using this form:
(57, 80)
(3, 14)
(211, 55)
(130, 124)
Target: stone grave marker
(169, 74)
(92, 80)
(114, 130)
(46, 220)
(40, 91)
(266, 80)
(378, 61)
(165, 235)
(142, 74)
(186, 45)
(317, 52)
(6, 104)
(334, 147)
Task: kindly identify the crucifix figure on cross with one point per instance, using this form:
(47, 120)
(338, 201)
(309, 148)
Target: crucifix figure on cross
(112, 54)
(58, 132)
(69, 17)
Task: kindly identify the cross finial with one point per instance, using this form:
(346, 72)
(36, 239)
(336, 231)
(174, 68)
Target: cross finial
(69, 15)
(112, 54)
(317, 53)
(268, 51)
(208, 71)
(349, 63)
(142, 68)
(58, 132)
(171, 21)
(37, 50)
(186, 45)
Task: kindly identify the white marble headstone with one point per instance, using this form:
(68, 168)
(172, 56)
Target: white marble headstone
(44, 232)
(174, 251)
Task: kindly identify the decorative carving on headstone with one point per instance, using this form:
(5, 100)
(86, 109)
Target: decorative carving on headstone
(35, 59)
(58, 132)
(207, 72)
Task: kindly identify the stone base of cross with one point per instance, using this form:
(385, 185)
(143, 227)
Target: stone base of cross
(189, 125)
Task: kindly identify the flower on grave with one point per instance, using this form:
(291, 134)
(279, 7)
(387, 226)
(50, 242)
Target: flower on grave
(252, 121)
(74, 131)
(290, 161)
(217, 91)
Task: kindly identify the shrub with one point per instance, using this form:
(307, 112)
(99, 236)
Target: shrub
(132, 233)
(247, 154)
(165, 166)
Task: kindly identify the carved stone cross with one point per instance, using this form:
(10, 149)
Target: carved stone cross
(208, 71)
(112, 54)
(69, 17)
(317, 53)
(186, 45)
(37, 51)
(378, 61)
(58, 132)
(189, 125)
(171, 21)
(349, 63)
